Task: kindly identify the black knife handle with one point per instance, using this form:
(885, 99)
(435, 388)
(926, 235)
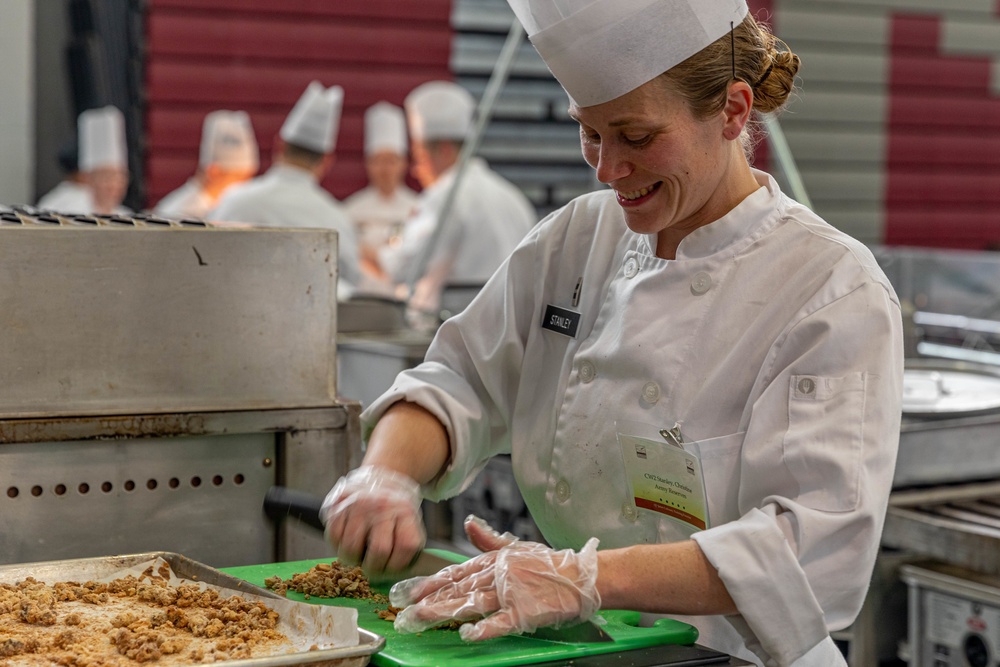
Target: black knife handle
(281, 502)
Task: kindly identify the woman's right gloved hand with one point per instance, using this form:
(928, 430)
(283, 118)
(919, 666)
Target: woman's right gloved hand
(373, 518)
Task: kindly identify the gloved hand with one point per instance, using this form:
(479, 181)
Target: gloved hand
(372, 517)
(516, 586)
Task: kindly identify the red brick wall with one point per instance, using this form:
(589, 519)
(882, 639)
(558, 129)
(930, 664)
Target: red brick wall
(259, 55)
(943, 161)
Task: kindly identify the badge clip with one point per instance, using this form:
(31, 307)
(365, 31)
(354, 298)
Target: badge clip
(673, 435)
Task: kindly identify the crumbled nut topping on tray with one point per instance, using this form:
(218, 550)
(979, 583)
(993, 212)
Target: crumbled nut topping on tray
(130, 620)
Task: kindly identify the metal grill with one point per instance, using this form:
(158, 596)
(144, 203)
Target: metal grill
(27, 216)
(955, 524)
(159, 376)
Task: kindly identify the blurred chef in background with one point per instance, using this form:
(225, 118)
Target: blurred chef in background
(489, 216)
(228, 155)
(379, 209)
(71, 195)
(290, 194)
(104, 158)
(103, 167)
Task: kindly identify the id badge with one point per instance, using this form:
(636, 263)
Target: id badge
(664, 475)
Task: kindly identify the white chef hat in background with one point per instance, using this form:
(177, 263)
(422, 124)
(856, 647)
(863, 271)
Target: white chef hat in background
(602, 49)
(102, 138)
(314, 120)
(439, 110)
(227, 140)
(385, 129)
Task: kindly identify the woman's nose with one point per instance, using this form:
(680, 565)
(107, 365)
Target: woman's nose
(611, 165)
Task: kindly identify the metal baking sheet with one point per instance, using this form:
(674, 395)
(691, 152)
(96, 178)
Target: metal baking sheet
(83, 569)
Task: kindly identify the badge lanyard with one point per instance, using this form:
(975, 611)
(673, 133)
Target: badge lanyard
(664, 475)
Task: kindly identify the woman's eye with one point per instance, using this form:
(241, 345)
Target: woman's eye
(638, 140)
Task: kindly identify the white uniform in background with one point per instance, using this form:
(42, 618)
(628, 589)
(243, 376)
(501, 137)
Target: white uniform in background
(68, 197)
(378, 218)
(290, 196)
(227, 144)
(187, 201)
(759, 350)
(287, 196)
(491, 216)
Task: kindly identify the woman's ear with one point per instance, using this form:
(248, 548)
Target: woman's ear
(736, 113)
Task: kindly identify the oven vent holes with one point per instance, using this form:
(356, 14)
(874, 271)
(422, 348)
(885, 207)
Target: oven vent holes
(128, 485)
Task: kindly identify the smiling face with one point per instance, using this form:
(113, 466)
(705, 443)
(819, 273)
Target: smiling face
(671, 172)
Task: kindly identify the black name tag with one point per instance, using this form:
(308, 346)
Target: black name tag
(561, 321)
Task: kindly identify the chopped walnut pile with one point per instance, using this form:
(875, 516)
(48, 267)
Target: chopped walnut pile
(328, 580)
(128, 621)
(389, 613)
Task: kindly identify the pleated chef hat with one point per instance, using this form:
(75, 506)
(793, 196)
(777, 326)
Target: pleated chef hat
(314, 120)
(385, 129)
(102, 138)
(602, 49)
(439, 110)
(227, 139)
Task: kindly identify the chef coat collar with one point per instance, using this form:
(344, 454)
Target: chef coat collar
(740, 223)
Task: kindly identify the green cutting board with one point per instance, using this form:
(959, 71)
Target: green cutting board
(444, 648)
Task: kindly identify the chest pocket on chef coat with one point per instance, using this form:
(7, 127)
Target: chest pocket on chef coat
(720, 466)
(823, 444)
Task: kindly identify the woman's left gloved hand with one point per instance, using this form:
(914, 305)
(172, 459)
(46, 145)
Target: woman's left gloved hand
(515, 586)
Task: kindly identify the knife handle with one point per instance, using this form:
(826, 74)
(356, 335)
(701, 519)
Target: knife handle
(281, 502)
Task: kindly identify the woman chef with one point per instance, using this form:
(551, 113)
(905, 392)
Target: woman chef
(690, 368)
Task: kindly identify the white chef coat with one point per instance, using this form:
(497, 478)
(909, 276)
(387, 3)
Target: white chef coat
(377, 218)
(490, 217)
(68, 197)
(187, 201)
(771, 333)
(288, 196)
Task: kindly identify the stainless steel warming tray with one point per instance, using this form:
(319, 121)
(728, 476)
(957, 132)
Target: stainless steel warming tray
(84, 569)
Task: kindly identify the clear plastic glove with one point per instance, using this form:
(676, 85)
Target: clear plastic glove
(516, 586)
(372, 517)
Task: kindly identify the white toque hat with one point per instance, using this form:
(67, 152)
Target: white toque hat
(602, 49)
(227, 140)
(385, 129)
(439, 110)
(313, 122)
(102, 139)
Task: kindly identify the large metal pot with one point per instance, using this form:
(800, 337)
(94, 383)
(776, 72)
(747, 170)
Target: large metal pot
(943, 388)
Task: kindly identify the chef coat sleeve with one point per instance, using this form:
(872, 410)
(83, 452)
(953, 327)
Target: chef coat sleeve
(470, 374)
(816, 471)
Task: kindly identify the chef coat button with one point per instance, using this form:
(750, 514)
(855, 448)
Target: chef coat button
(651, 392)
(562, 491)
(629, 511)
(806, 386)
(587, 372)
(631, 267)
(701, 283)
